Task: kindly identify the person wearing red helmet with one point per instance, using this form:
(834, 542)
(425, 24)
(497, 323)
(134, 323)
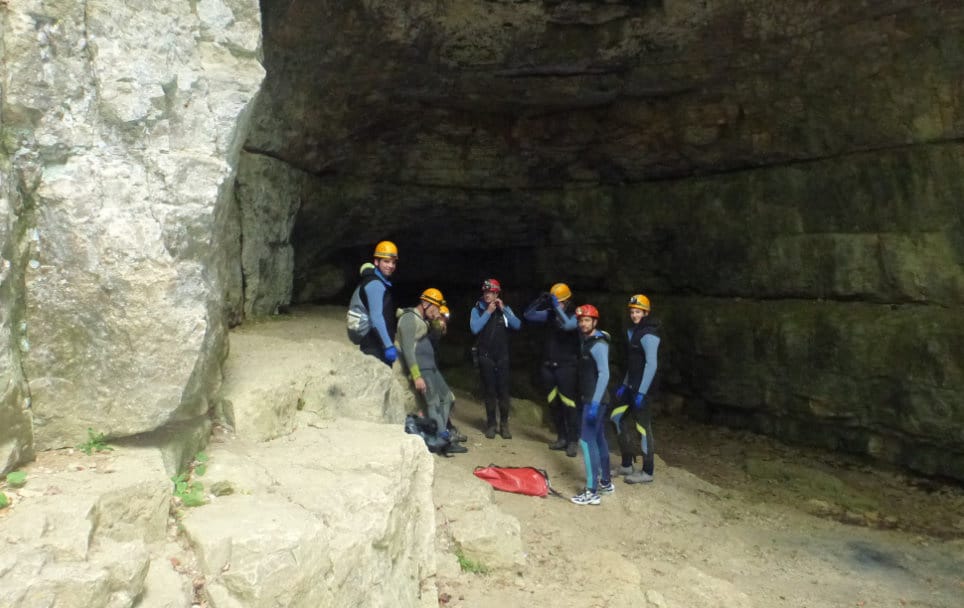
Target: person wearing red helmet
(631, 414)
(558, 371)
(593, 378)
(418, 359)
(491, 321)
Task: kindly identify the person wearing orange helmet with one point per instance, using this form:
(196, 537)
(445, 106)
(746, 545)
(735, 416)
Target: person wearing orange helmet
(593, 378)
(374, 289)
(630, 412)
(491, 321)
(419, 360)
(558, 372)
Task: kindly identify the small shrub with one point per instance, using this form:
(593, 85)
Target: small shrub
(96, 442)
(190, 492)
(16, 479)
(469, 565)
(4, 501)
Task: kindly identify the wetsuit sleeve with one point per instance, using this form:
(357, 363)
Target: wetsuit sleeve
(511, 319)
(650, 347)
(565, 322)
(407, 327)
(534, 314)
(375, 293)
(600, 354)
(478, 319)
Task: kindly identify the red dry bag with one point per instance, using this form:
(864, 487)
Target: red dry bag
(520, 480)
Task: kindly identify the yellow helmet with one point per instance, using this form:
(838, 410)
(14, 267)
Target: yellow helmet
(639, 301)
(386, 250)
(561, 291)
(446, 313)
(433, 296)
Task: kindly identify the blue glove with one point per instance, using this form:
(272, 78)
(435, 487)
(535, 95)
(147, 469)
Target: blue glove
(391, 353)
(638, 401)
(592, 412)
(554, 300)
(621, 392)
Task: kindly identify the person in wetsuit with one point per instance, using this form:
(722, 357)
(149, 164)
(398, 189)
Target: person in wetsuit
(631, 413)
(558, 370)
(491, 321)
(376, 296)
(593, 379)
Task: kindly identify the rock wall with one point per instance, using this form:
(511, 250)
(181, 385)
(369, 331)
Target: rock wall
(797, 163)
(122, 125)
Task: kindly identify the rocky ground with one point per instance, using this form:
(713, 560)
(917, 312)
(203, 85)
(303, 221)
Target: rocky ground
(733, 519)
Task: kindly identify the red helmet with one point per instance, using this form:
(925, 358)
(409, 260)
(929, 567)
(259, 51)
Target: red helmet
(587, 310)
(492, 285)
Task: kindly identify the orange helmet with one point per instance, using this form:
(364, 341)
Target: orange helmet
(587, 310)
(433, 296)
(561, 291)
(386, 250)
(639, 301)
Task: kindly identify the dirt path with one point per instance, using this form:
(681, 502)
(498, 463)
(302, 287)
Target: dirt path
(728, 522)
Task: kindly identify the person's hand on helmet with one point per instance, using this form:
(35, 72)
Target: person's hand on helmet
(592, 412)
(391, 354)
(639, 401)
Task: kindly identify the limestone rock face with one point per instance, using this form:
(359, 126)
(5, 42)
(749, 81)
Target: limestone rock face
(122, 125)
(319, 518)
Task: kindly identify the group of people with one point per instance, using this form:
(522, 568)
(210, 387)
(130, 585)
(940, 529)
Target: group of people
(575, 368)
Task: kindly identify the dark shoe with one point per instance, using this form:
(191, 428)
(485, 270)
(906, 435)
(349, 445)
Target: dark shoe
(455, 435)
(504, 431)
(457, 448)
(571, 450)
(490, 432)
(558, 444)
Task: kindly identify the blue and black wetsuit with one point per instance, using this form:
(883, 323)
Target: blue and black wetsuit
(493, 348)
(558, 369)
(593, 378)
(641, 366)
(377, 298)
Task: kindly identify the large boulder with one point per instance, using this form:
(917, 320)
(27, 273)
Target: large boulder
(120, 156)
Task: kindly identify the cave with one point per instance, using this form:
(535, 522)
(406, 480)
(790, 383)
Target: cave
(783, 181)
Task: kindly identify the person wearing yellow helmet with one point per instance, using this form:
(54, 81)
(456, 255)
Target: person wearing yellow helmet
(491, 321)
(419, 359)
(593, 378)
(553, 309)
(631, 414)
(374, 290)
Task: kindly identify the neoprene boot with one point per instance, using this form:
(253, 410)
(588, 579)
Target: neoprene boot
(558, 444)
(504, 430)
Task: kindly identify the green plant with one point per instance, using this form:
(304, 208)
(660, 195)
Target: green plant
(188, 490)
(96, 442)
(4, 501)
(470, 565)
(16, 479)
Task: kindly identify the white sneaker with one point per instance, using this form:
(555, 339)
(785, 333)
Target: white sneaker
(607, 488)
(586, 498)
